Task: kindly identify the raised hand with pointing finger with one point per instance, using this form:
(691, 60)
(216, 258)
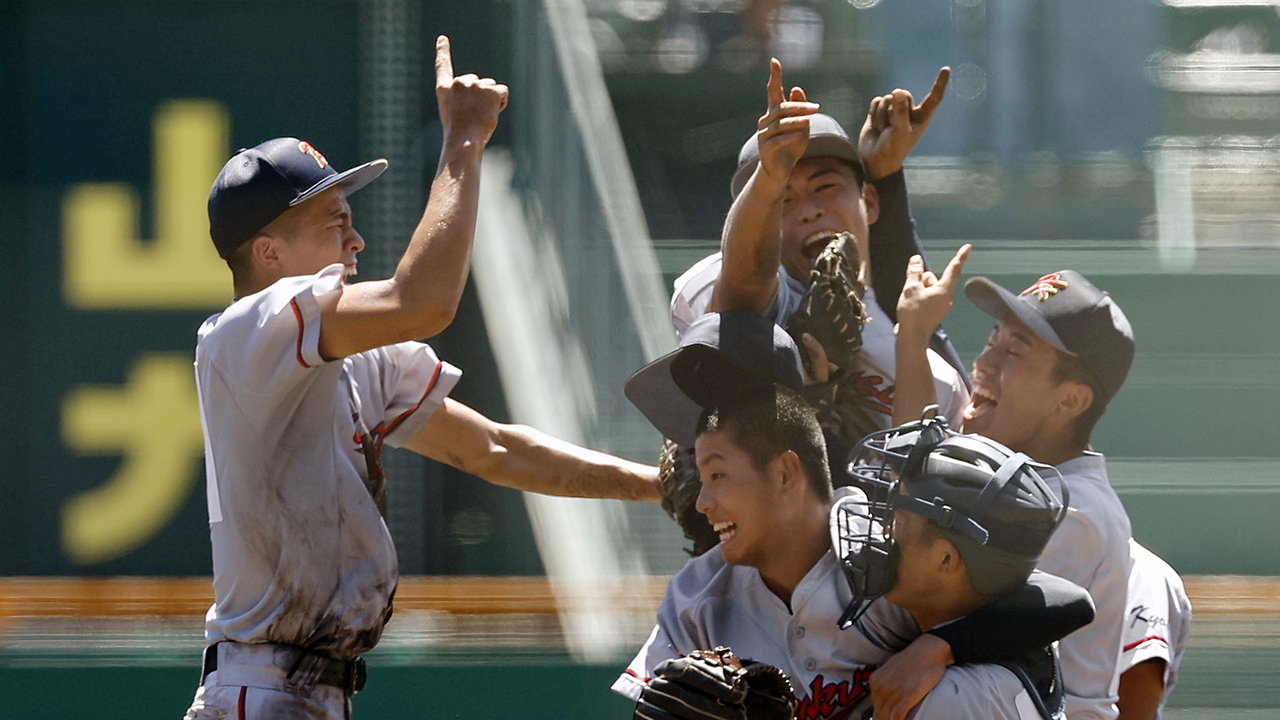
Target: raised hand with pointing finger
(469, 104)
(783, 131)
(895, 124)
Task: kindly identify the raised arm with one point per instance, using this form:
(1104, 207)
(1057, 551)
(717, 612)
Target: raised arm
(926, 300)
(421, 298)
(752, 240)
(520, 457)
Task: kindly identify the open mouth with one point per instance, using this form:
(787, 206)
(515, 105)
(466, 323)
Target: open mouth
(349, 270)
(726, 530)
(981, 402)
(816, 243)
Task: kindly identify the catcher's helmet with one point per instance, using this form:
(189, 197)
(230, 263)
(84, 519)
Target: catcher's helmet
(989, 501)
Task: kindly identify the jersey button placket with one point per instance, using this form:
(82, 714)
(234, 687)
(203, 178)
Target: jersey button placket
(799, 632)
(810, 665)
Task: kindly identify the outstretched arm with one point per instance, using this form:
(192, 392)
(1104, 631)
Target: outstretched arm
(926, 300)
(520, 457)
(421, 298)
(752, 242)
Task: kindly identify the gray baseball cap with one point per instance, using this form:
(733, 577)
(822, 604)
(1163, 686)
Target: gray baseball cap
(826, 139)
(1068, 312)
(722, 358)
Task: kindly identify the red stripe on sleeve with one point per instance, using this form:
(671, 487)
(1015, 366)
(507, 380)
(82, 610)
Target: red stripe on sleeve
(240, 711)
(404, 415)
(1131, 646)
(636, 675)
(298, 314)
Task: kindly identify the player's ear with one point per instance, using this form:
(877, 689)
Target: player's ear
(1074, 398)
(946, 556)
(871, 198)
(791, 472)
(266, 250)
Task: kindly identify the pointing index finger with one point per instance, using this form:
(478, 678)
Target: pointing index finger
(444, 62)
(951, 275)
(775, 83)
(924, 111)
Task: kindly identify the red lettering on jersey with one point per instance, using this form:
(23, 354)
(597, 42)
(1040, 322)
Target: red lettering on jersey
(1047, 286)
(835, 701)
(310, 149)
(877, 398)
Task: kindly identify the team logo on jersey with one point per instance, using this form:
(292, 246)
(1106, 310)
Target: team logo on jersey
(1047, 286)
(310, 149)
(835, 701)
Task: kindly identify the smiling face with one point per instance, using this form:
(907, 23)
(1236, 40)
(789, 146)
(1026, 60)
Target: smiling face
(739, 499)
(316, 234)
(822, 198)
(1016, 400)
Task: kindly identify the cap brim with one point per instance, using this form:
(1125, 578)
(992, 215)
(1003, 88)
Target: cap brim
(998, 302)
(350, 180)
(673, 391)
(821, 146)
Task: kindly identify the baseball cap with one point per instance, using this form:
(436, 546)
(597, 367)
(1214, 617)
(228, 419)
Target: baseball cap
(826, 139)
(259, 183)
(1071, 314)
(722, 357)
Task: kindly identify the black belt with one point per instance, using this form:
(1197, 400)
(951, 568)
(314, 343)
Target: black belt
(347, 675)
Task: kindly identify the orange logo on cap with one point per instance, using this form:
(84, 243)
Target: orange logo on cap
(1047, 286)
(309, 149)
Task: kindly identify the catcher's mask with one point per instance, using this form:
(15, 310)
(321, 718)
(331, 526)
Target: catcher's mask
(989, 501)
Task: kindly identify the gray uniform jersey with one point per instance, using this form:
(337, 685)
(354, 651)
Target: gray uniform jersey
(877, 359)
(1091, 549)
(1157, 623)
(978, 692)
(301, 554)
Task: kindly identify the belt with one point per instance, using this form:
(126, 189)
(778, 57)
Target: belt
(346, 675)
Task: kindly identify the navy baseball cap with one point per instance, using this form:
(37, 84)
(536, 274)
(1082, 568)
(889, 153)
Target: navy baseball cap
(826, 139)
(1068, 312)
(258, 184)
(722, 357)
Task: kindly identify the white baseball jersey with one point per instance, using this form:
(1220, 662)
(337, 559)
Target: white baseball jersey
(301, 554)
(710, 603)
(1091, 549)
(1157, 623)
(878, 355)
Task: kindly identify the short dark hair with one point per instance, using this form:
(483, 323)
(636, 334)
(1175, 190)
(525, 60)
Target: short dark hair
(767, 424)
(1068, 368)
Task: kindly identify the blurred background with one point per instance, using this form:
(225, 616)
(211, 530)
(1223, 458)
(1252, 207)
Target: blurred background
(1137, 141)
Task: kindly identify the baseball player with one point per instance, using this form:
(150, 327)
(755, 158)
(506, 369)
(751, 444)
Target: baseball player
(1157, 625)
(1059, 353)
(771, 589)
(303, 378)
(800, 181)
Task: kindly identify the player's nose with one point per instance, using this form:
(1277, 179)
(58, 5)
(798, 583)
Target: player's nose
(704, 501)
(355, 242)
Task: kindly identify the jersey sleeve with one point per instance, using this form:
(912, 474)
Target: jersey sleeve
(891, 241)
(414, 385)
(266, 344)
(692, 293)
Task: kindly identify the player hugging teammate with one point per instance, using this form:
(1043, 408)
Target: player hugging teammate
(946, 516)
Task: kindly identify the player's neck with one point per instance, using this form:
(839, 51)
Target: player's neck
(796, 554)
(1052, 449)
(945, 606)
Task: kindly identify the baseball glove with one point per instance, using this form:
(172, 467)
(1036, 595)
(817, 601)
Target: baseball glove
(679, 484)
(832, 312)
(716, 685)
